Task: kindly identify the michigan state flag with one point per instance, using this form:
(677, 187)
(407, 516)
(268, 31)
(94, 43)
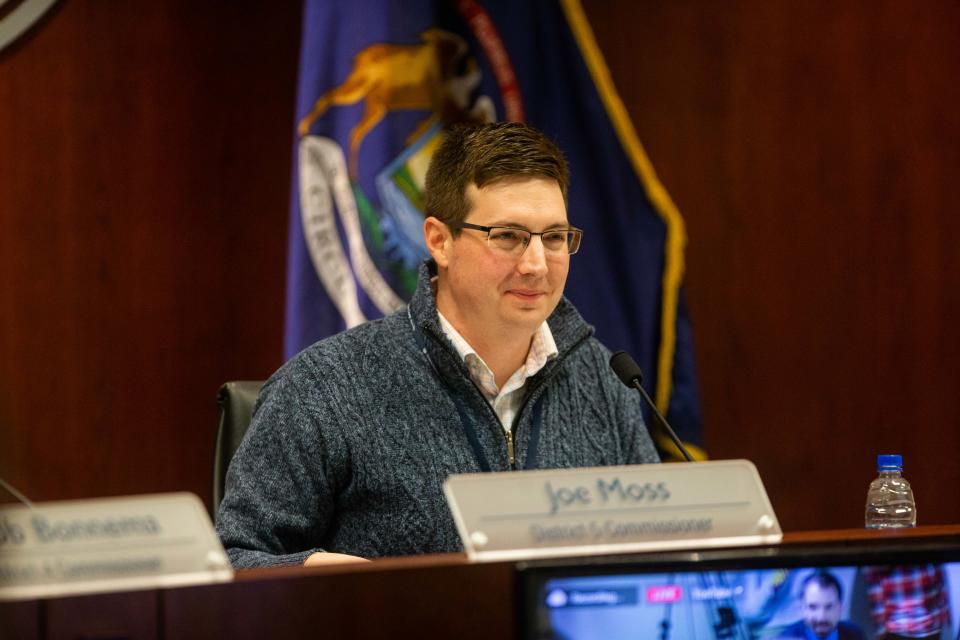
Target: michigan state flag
(380, 80)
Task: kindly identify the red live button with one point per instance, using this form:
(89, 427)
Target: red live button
(669, 593)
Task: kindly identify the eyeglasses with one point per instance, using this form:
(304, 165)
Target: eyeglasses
(514, 241)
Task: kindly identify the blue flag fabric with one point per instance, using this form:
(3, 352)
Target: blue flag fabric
(379, 81)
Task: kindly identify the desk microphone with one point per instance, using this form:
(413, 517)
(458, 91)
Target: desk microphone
(629, 373)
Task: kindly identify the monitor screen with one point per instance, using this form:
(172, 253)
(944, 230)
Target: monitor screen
(837, 598)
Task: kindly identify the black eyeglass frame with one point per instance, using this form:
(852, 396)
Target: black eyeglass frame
(578, 233)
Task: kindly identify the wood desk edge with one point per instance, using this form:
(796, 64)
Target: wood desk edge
(400, 563)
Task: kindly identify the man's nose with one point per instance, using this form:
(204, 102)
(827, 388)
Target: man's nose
(533, 260)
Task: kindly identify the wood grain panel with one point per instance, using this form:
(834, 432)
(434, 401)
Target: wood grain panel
(448, 601)
(144, 180)
(131, 615)
(813, 150)
(21, 619)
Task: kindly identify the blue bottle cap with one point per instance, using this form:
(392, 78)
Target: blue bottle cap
(888, 462)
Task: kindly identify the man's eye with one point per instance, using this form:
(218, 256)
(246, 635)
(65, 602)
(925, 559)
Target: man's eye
(505, 235)
(555, 238)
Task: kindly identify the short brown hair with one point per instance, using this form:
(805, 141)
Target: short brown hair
(484, 154)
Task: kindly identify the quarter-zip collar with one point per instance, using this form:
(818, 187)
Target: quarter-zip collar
(567, 325)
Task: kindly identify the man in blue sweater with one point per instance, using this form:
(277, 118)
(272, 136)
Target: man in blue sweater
(489, 368)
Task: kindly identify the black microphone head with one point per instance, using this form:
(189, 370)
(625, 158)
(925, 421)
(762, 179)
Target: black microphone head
(626, 368)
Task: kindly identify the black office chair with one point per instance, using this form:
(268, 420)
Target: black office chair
(236, 400)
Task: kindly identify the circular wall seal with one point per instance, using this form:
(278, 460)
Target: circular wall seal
(16, 17)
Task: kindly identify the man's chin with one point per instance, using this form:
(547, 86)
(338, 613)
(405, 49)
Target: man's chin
(525, 318)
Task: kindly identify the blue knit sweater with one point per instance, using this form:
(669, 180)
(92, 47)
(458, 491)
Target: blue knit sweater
(352, 438)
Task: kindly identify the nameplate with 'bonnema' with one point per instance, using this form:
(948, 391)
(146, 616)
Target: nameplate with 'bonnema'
(108, 544)
(563, 512)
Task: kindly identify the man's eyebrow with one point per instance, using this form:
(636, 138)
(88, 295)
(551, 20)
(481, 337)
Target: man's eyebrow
(517, 225)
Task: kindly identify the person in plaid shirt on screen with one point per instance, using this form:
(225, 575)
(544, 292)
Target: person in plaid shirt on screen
(908, 601)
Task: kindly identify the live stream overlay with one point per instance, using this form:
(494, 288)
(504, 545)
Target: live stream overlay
(745, 604)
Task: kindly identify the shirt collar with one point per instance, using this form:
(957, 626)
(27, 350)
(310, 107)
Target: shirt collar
(566, 325)
(543, 348)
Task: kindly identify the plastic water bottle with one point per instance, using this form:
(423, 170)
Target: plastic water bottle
(890, 501)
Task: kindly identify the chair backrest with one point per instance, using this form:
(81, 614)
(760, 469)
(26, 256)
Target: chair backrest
(236, 400)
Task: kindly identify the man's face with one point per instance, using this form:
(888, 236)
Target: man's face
(821, 609)
(489, 294)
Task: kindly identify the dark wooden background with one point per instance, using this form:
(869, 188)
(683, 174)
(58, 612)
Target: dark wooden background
(813, 148)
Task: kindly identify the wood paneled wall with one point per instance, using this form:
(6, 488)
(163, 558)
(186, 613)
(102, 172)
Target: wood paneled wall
(145, 154)
(812, 148)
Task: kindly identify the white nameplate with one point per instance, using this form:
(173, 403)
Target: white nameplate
(108, 544)
(562, 512)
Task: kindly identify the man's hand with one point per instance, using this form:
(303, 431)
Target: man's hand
(324, 558)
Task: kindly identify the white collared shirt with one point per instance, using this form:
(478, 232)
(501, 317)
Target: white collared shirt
(507, 401)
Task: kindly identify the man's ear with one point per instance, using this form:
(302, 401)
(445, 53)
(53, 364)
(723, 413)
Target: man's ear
(437, 237)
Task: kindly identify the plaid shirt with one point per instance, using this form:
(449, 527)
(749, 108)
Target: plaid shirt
(908, 601)
(507, 401)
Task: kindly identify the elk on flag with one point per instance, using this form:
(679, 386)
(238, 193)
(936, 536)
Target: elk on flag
(378, 83)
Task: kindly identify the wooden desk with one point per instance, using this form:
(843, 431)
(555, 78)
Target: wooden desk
(422, 596)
